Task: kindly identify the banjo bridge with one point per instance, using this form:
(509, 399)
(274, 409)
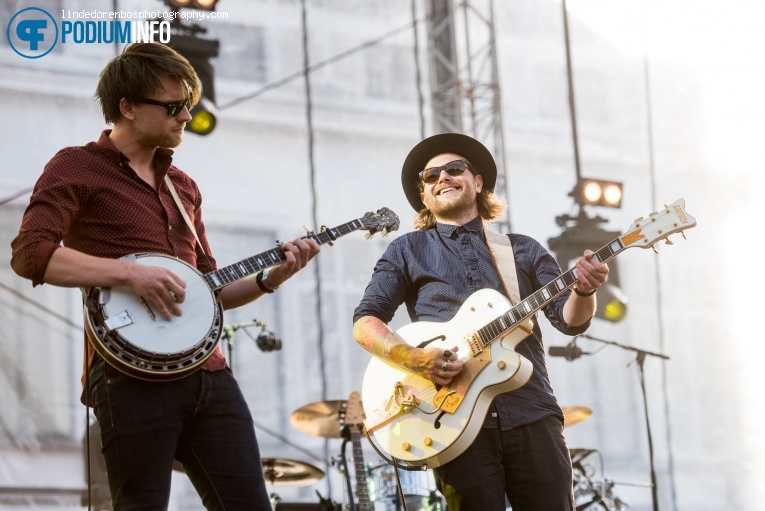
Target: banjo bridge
(148, 309)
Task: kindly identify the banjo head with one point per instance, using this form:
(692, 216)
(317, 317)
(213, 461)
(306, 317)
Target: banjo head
(135, 337)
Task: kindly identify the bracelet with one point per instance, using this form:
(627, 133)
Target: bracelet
(259, 281)
(581, 293)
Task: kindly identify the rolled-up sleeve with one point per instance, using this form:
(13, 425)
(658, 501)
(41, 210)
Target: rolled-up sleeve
(53, 206)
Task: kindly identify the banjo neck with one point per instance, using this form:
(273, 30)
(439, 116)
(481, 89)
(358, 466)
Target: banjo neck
(250, 266)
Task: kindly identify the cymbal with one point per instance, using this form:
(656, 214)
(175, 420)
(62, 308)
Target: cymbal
(319, 419)
(575, 414)
(282, 472)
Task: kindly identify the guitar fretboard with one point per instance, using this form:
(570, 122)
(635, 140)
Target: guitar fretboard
(541, 297)
(362, 490)
(223, 276)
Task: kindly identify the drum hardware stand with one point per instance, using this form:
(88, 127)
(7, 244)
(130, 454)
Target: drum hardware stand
(641, 354)
(592, 487)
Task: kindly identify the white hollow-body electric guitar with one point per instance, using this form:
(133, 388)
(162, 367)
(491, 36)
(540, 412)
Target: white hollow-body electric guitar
(133, 337)
(422, 424)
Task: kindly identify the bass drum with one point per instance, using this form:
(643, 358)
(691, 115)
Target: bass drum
(419, 488)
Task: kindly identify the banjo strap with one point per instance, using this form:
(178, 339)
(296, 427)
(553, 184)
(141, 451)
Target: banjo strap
(185, 215)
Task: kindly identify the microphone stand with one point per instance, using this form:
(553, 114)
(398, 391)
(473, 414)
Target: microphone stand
(641, 354)
(228, 334)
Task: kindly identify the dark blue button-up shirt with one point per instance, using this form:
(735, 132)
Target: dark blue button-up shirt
(434, 271)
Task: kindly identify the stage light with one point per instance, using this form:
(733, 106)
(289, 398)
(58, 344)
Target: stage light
(596, 192)
(612, 303)
(613, 195)
(583, 232)
(592, 192)
(203, 117)
(198, 52)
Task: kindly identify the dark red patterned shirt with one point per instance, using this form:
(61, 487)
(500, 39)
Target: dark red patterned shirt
(90, 199)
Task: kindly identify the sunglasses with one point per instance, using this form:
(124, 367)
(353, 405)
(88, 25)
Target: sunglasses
(453, 168)
(173, 108)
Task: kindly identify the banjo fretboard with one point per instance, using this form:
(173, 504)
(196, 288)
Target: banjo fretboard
(250, 266)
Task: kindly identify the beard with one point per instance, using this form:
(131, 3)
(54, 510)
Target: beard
(153, 137)
(452, 208)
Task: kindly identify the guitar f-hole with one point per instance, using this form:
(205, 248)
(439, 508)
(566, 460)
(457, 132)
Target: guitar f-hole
(437, 338)
(437, 423)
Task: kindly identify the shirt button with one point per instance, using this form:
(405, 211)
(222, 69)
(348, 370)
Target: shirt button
(170, 227)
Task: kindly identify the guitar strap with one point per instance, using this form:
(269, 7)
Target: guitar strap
(501, 249)
(183, 211)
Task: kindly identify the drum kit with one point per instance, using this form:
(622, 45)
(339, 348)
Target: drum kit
(378, 483)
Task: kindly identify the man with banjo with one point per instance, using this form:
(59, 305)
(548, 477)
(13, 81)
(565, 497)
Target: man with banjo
(112, 198)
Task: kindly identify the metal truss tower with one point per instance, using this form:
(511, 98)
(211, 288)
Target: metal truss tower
(464, 78)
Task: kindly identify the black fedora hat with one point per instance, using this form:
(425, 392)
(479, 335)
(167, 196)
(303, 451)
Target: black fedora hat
(469, 148)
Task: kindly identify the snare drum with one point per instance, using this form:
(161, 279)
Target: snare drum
(418, 487)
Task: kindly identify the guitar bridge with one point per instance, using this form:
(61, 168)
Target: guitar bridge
(474, 343)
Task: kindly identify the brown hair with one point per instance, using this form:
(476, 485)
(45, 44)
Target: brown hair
(490, 206)
(137, 72)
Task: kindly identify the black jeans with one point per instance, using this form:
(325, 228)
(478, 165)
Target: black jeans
(201, 420)
(530, 464)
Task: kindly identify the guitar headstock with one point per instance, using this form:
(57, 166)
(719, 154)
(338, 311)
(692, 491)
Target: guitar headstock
(646, 232)
(354, 412)
(385, 221)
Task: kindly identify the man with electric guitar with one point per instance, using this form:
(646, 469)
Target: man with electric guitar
(112, 203)
(452, 269)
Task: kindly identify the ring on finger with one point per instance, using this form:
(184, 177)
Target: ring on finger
(444, 367)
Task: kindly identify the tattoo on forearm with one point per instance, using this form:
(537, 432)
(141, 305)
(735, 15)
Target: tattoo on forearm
(379, 340)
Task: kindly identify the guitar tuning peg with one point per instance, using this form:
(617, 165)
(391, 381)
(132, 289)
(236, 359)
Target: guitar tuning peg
(669, 241)
(308, 231)
(385, 232)
(653, 247)
(369, 235)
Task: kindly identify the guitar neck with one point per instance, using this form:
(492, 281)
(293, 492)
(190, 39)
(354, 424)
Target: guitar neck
(224, 276)
(541, 297)
(362, 490)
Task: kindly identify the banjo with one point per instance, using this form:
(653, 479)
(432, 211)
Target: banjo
(131, 336)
